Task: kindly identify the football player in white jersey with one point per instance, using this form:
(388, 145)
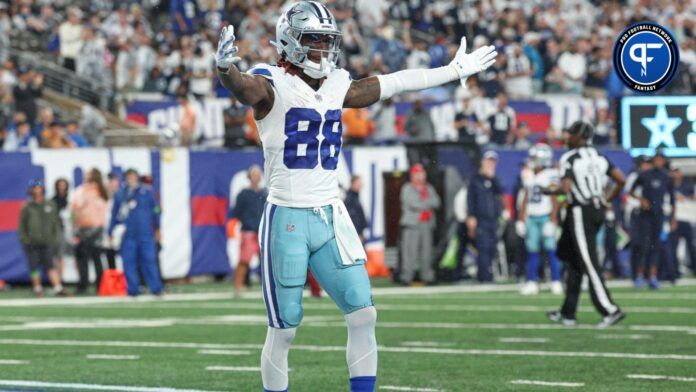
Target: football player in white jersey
(297, 106)
(538, 219)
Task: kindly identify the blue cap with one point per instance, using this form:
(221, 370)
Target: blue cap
(490, 154)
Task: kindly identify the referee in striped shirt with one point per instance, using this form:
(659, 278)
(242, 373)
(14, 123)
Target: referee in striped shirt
(584, 173)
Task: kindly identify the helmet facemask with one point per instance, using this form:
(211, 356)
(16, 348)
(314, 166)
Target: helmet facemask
(307, 37)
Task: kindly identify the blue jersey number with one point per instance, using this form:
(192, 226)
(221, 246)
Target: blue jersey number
(535, 197)
(302, 148)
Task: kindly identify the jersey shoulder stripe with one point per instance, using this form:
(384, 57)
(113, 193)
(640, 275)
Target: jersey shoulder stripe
(264, 70)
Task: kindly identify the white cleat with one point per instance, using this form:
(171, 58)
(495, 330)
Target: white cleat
(530, 288)
(556, 288)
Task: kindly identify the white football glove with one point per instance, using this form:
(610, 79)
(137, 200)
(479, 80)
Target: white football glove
(226, 51)
(521, 228)
(474, 62)
(549, 229)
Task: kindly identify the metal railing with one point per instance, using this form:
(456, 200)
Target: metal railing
(67, 82)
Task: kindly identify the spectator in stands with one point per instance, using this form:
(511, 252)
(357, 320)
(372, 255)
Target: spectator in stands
(117, 26)
(135, 207)
(419, 125)
(92, 124)
(5, 26)
(91, 60)
(73, 132)
(419, 57)
(235, 118)
(502, 123)
(484, 206)
(201, 74)
(70, 37)
(598, 67)
(28, 88)
(418, 204)
(354, 207)
(126, 67)
(17, 118)
(530, 47)
(574, 67)
(88, 206)
(521, 139)
(357, 125)
(60, 198)
(46, 118)
(183, 13)
(156, 82)
(605, 133)
(187, 121)
(519, 73)
(550, 58)
(391, 50)
(466, 122)
(145, 58)
(383, 115)
(373, 14)
(55, 137)
(248, 210)
(38, 229)
(21, 139)
(492, 79)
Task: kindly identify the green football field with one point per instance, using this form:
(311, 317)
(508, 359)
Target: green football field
(445, 338)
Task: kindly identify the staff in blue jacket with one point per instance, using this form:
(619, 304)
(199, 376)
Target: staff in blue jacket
(484, 204)
(135, 207)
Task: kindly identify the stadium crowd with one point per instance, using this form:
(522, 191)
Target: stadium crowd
(167, 47)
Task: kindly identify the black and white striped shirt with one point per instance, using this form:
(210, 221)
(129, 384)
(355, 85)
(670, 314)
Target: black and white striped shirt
(589, 170)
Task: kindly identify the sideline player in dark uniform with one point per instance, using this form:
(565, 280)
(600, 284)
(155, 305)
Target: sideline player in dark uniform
(583, 174)
(655, 185)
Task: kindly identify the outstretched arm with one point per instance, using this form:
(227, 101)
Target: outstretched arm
(365, 92)
(249, 89)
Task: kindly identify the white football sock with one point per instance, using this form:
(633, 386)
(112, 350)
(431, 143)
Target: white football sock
(274, 358)
(361, 353)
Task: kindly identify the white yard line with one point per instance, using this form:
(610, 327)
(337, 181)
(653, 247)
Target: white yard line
(411, 389)
(427, 344)
(549, 383)
(13, 362)
(524, 340)
(383, 349)
(90, 387)
(228, 295)
(625, 337)
(89, 324)
(401, 307)
(224, 352)
(113, 357)
(233, 369)
(313, 321)
(663, 328)
(660, 377)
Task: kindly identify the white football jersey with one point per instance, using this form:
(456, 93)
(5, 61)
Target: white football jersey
(539, 204)
(301, 137)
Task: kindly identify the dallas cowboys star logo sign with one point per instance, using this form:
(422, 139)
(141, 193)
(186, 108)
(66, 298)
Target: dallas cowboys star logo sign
(651, 122)
(661, 128)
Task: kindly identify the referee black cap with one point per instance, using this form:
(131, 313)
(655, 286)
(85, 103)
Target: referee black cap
(582, 128)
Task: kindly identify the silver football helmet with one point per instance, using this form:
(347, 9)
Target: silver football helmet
(541, 155)
(306, 27)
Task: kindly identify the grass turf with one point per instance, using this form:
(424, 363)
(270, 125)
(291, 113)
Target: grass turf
(429, 339)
